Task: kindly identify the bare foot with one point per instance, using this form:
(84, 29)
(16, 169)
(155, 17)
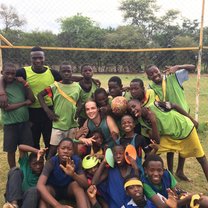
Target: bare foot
(182, 176)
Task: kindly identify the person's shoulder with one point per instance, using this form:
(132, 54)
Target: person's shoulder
(21, 72)
(56, 74)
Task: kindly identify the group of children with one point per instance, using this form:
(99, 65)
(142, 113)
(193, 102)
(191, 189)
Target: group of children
(84, 129)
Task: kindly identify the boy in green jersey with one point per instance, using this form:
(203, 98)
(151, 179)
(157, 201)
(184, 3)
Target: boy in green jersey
(66, 96)
(174, 131)
(169, 87)
(88, 87)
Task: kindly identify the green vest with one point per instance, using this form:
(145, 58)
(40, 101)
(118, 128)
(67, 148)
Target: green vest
(174, 92)
(170, 123)
(38, 82)
(63, 107)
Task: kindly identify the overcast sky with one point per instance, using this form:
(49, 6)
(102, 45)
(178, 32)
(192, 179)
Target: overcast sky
(43, 14)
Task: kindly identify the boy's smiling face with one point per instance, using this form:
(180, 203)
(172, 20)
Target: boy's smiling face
(154, 74)
(154, 171)
(134, 107)
(127, 123)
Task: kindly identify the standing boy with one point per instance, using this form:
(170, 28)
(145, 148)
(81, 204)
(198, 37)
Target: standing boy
(170, 88)
(65, 96)
(39, 76)
(88, 87)
(15, 114)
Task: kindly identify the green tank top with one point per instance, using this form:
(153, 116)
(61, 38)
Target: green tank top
(38, 82)
(174, 92)
(103, 126)
(170, 123)
(63, 107)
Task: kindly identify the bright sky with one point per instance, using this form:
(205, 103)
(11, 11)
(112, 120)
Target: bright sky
(43, 14)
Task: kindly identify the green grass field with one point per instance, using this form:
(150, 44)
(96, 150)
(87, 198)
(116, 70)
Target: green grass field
(192, 168)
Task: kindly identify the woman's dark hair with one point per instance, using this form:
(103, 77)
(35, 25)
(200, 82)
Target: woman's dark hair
(152, 158)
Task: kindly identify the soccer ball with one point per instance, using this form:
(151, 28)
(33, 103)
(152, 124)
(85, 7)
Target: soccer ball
(119, 105)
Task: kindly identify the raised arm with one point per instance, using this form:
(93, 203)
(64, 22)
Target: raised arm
(173, 69)
(23, 148)
(101, 174)
(113, 128)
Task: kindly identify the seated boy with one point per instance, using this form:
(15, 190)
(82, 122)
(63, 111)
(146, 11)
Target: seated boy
(21, 184)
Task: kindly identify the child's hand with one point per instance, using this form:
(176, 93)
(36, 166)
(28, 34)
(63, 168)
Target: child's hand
(99, 156)
(91, 192)
(51, 115)
(82, 131)
(103, 110)
(20, 79)
(154, 145)
(70, 167)
(172, 199)
(132, 161)
(41, 153)
(87, 141)
(28, 102)
(114, 135)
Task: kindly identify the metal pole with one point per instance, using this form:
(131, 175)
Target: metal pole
(199, 63)
(1, 59)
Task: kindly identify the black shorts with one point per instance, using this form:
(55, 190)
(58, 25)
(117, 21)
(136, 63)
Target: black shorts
(16, 134)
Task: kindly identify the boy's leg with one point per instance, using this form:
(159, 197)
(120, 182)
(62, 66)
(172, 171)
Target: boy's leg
(170, 157)
(75, 190)
(11, 139)
(14, 186)
(56, 136)
(11, 159)
(44, 204)
(180, 169)
(52, 151)
(31, 198)
(204, 164)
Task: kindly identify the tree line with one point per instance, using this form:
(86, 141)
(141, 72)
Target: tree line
(143, 28)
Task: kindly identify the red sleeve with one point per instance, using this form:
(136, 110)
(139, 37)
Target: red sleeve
(49, 91)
